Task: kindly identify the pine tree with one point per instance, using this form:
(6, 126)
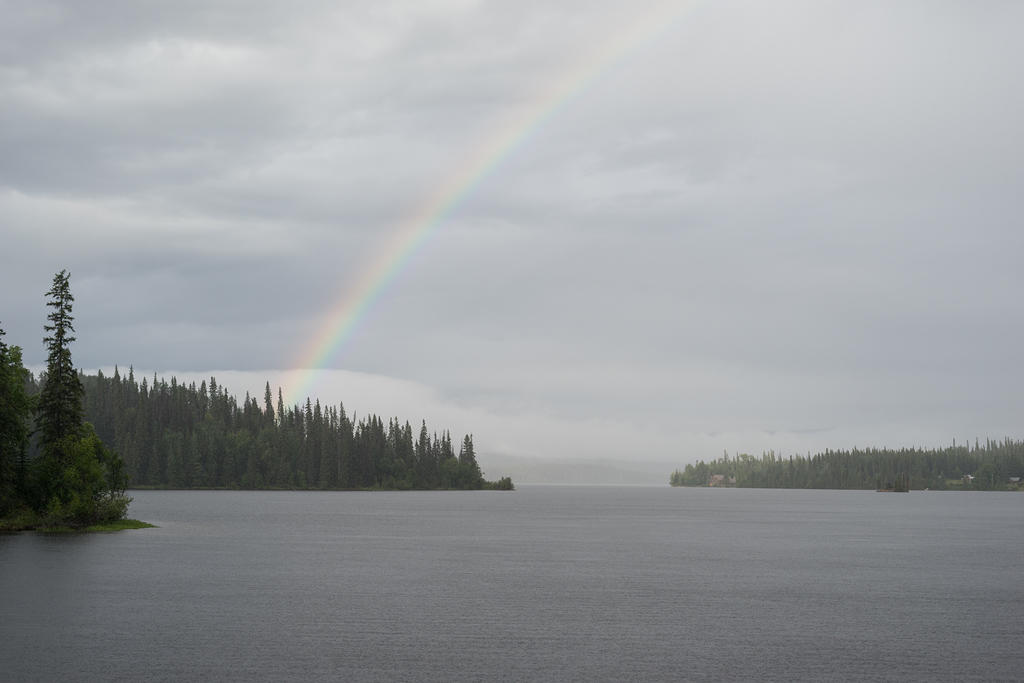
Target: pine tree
(280, 407)
(76, 480)
(60, 403)
(268, 406)
(425, 469)
(471, 476)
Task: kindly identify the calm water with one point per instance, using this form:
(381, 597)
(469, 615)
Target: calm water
(544, 583)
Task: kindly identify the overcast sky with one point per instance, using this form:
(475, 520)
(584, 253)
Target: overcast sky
(786, 225)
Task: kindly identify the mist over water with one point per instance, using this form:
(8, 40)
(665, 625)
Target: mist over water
(544, 583)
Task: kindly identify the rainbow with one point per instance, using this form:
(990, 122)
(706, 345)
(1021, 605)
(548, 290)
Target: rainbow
(357, 298)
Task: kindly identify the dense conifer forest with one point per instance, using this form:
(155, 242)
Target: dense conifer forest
(177, 436)
(988, 466)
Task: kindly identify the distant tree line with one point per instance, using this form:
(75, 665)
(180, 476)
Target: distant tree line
(988, 466)
(175, 436)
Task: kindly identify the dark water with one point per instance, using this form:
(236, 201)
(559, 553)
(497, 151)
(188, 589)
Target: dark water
(544, 583)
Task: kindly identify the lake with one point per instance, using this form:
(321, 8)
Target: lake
(542, 583)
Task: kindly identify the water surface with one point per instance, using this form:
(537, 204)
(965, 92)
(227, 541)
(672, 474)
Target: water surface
(543, 583)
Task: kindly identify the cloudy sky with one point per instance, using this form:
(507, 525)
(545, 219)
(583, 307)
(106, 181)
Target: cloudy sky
(727, 225)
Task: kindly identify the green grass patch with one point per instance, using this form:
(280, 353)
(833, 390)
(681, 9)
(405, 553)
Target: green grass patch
(26, 520)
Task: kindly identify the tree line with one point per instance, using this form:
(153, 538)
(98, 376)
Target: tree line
(989, 466)
(173, 435)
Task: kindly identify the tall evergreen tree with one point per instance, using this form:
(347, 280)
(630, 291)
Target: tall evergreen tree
(60, 403)
(268, 406)
(471, 477)
(76, 480)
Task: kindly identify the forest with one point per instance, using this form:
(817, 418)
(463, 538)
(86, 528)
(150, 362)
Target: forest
(988, 466)
(175, 436)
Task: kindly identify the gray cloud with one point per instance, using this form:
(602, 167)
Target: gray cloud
(766, 220)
